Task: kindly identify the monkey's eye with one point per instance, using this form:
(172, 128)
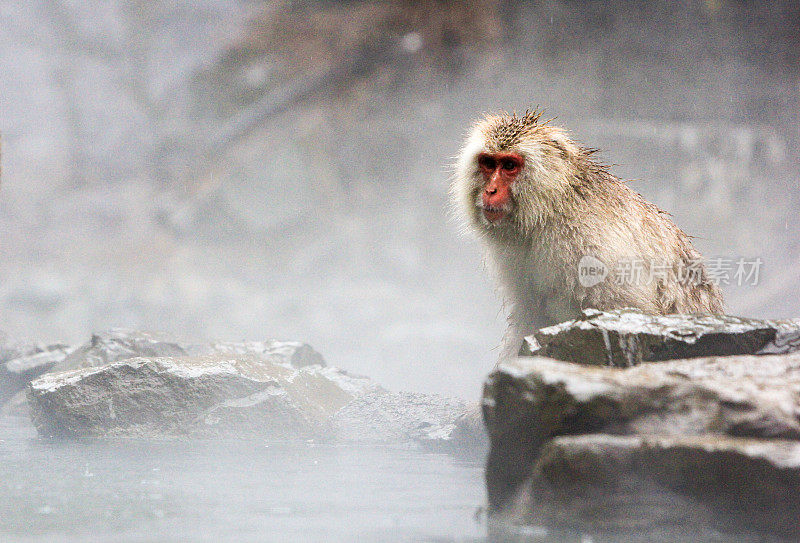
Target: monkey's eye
(509, 165)
(486, 162)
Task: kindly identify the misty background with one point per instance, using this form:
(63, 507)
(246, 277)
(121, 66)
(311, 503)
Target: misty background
(223, 169)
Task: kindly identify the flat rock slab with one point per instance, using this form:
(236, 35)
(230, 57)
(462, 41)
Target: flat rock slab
(530, 400)
(628, 337)
(661, 488)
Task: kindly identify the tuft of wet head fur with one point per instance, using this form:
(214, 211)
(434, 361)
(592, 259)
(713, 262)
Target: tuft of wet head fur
(505, 131)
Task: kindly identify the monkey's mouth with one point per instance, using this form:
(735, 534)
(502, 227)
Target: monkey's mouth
(494, 214)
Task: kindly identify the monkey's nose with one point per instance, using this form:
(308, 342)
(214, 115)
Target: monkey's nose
(490, 190)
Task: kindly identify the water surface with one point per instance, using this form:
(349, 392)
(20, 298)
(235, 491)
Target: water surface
(232, 491)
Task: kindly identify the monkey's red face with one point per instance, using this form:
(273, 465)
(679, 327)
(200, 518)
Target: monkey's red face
(500, 171)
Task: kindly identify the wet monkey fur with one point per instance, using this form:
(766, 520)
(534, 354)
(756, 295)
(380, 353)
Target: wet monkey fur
(540, 203)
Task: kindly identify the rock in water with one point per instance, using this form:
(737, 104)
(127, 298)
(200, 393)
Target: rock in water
(242, 391)
(743, 395)
(657, 488)
(628, 337)
(220, 395)
(531, 402)
(121, 344)
(126, 383)
(20, 364)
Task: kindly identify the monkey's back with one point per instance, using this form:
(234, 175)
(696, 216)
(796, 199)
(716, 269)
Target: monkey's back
(651, 263)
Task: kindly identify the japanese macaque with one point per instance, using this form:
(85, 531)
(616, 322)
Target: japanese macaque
(563, 234)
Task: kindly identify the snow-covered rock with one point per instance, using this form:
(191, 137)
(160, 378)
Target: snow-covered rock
(627, 337)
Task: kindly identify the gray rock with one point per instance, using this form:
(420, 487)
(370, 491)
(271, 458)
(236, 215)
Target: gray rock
(294, 353)
(122, 344)
(627, 337)
(380, 415)
(660, 488)
(247, 393)
(119, 344)
(469, 433)
(11, 350)
(206, 395)
(20, 364)
(530, 400)
(787, 338)
(32, 365)
(126, 383)
(31, 361)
